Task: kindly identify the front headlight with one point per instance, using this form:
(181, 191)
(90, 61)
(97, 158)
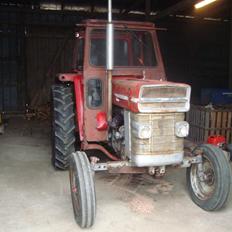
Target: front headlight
(182, 129)
(144, 132)
(141, 131)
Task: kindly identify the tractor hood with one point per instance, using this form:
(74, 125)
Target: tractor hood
(148, 96)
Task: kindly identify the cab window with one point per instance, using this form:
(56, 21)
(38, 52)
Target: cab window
(131, 48)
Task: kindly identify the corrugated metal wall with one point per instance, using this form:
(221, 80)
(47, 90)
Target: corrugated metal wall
(33, 48)
(48, 52)
(12, 68)
(29, 60)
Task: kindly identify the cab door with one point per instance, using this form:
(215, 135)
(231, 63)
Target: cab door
(95, 85)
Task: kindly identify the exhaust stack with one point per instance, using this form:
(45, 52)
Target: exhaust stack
(109, 57)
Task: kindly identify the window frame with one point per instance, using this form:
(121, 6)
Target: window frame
(129, 50)
(87, 93)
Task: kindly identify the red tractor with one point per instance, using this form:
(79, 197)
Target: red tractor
(131, 113)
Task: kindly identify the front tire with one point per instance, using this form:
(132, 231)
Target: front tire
(63, 126)
(209, 182)
(82, 189)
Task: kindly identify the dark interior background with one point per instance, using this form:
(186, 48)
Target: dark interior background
(197, 54)
(36, 43)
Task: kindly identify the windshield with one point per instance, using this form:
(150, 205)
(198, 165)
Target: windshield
(131, 48)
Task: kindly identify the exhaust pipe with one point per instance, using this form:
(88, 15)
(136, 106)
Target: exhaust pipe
(109, 57)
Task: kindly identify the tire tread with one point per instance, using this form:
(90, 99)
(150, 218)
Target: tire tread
(86, 187)
(63, 125)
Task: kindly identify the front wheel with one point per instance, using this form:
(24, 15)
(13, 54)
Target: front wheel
(209, 182)
(82, 189)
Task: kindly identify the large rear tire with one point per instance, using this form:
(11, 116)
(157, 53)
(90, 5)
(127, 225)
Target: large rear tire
(63, 126)
(82, 189)
(209, 182)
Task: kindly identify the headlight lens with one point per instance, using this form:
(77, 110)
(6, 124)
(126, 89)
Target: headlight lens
(182, 129)
(145, 132)
(142, 131)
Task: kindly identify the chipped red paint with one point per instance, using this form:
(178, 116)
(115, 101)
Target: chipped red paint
(125, 89)
(79, 104)
(66, 77)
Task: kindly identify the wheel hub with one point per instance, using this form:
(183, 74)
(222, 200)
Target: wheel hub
(209, 177)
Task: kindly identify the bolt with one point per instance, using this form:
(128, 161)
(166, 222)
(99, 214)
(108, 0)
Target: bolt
(151, 171)
(94, 159)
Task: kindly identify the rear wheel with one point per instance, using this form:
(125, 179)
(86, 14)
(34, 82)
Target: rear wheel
(209, 182)
(63, 125)
(82, 189)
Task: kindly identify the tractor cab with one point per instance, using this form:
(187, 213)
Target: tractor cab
(136, 56)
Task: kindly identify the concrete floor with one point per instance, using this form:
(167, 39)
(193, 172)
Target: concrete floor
(35, 198)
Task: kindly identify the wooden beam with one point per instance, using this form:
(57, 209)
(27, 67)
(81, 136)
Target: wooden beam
(182, 5)
(132, 6)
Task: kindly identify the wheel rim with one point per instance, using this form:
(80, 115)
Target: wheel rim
(202, 178)
(75, 193)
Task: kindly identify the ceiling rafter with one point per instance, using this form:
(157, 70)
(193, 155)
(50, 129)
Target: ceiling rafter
(180, 6)
(150, 10)
(133, 5)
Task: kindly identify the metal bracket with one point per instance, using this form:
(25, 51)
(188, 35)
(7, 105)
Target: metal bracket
(118, 167)
(109, 165)
(99, 167)
(188, 161)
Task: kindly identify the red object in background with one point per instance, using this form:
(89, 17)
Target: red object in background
(217, 140)
(101, 121)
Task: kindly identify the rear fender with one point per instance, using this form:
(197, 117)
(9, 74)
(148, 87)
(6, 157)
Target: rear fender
(78, 89)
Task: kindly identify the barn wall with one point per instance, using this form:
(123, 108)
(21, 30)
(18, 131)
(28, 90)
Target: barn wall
(34, 47)
(12, 68)
(31, 52)
(197, 54)
(48, 52)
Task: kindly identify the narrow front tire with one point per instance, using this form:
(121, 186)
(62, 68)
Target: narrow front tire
(209, 182)
(82, 189)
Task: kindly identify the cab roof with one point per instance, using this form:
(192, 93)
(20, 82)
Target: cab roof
(118, 24)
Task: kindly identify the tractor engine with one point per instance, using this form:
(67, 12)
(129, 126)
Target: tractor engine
(148, 126)
(117, 132)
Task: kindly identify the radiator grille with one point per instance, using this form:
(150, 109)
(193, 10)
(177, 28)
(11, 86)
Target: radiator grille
(163, 140)
(164, 99)
(164, 92)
